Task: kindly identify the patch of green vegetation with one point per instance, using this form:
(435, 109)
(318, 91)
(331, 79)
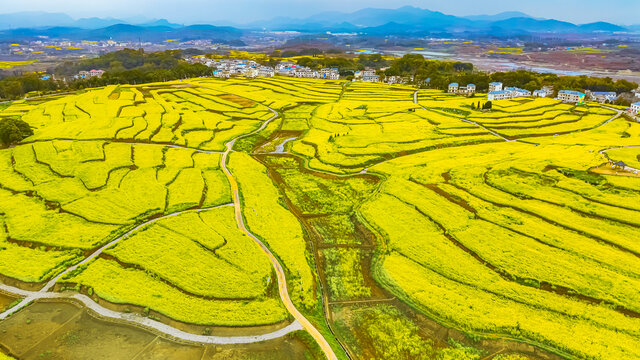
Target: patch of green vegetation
(391, 336)
(586, 176)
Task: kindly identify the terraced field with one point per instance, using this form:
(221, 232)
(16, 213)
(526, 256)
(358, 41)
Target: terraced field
(390, 210)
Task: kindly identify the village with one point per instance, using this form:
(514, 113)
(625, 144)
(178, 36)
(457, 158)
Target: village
(225, 68)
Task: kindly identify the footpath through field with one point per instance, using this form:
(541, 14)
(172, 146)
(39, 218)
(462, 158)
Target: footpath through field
(135, 319)
(300, 321)
(282, 280)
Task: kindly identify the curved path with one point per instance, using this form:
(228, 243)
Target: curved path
(300, 321)
(606, 156)
(135, 319)
(282, 280)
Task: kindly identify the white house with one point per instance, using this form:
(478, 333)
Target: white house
(367, 75)
(249, 72)
(96, 73)
(265, 71)
(541, 93)
(635, 108)
(571, 96)
(498, 95)
(462, 90)
(329, 74)
(603, 97)
(517, 92)
(495, 86)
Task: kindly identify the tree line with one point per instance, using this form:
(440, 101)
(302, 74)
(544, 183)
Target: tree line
(121, 67)
(439, 74)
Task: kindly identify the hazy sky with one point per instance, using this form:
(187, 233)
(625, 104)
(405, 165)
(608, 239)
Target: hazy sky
(190, 11)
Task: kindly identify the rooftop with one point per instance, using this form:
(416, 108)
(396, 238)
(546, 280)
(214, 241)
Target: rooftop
(495, 83)
(453, 84)
(570, 92)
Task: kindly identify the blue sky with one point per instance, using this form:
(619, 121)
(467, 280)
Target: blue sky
(190, 11)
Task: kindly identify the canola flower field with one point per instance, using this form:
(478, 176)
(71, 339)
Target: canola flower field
(498, 224)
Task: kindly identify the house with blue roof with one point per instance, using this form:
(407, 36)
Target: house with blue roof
(495, 86)
(508, 93)
(635, 108)
(468, 90)
(602, 97)
(571, 96)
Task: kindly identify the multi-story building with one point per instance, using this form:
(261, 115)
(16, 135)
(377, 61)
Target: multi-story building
(366, 75)
(89, 74)
(635, 108)
(498, 95)
(508, 93)
(265, 71)
(602, 97)
(305, 72)
(495, 86)
(541, 93)
(571, 96)
(462, 90)
(517, 92)
(398, 79)
(329, 74)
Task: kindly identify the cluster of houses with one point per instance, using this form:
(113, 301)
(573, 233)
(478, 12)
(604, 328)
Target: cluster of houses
(289, 68)
(225, 68)
(366, 75)
(235, 67)
(248, 68)
(602, 97)
(496, 92)
(89, 74)
(455, 88)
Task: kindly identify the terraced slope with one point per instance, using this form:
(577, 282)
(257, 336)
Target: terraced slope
(508, 224)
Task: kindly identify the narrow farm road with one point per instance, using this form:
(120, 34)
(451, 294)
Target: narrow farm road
(606, 156)
(282, 280)
(131, 318)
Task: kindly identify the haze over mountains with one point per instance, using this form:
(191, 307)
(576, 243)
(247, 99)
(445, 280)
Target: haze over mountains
(406, 20)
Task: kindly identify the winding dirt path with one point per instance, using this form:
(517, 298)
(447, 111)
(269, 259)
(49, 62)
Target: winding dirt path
(606, 156)
(282, 280)
(131, 318)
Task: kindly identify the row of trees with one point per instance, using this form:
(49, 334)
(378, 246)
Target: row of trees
(439, 74)
(122, 67)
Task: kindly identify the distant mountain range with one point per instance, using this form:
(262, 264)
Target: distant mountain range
(155, 32)
(41, 19)
(407, 20)
(412, 20)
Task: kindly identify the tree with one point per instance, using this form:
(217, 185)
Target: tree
(12, 131)
(487, 106)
